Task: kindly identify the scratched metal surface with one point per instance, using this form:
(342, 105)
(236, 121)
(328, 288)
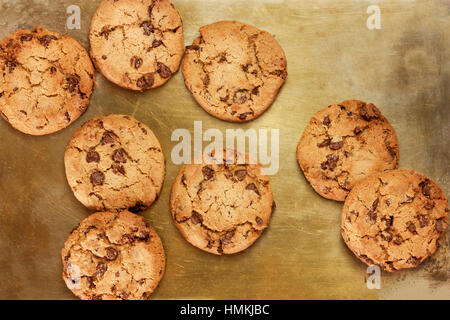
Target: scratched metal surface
(402, 68)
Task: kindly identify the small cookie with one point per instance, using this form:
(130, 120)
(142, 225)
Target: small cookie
(234, 70)
(394, 219)
(113, 256)
(343, 144)
(136, 44)
(46, 80)
(222, 207)
(113, 163)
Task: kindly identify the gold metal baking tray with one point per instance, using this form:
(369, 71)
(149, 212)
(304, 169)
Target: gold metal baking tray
(403, 68)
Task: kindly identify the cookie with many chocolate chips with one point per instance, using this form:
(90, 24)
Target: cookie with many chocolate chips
(46, 80)
(136, 44)
(222, 205)
(113, 256)
(234, 70)
(345, 143)
(113, 163)
(394, 219)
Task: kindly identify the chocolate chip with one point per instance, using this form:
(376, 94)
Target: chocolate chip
(111, 253)
(26, 37)
(208, 173)
(336, 145)
(324, 143)
(138, 207)
(148, 27)
(423, 220)
(425, 187)
(255, 91)
(331, 162)
(386, 235)
(144, 235)
(398, 240)
(24, 112)
(371, 217)
(252, 187)
(52, 70)
(411, 227)
(104, 57)
(101, 269)
(210, 244)
(240, 174)
(119, 155)
(11, 65)
(375, 204)
(67, 116)
(228, 236)
(192, 47)
(413, 260)
(429, 205)
(326, 121)
(136, 62)
(118, 168)
(259, 221)
(240, 96)
(97, 297)
(105, 32)
(367, 113)
(163, 70)
(225, 99)
(72, 82)
(156, 43)
(97, 178)
(274, 205)
(279, 73)
(92, 156)
(440, 225)
(107, 138)
(196, 218)
(220, 250)
(243, 116)
(357, 130)
(1, 93)
(45, 40)
(146, 81)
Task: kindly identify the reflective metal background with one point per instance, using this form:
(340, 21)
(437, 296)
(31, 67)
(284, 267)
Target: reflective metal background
(402, 68)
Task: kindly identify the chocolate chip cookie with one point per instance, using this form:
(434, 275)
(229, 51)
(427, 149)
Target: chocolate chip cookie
(113, 256)
(137, 44)
(46, 80)
(394, 219)
(221, 205)
(345, 143)
(113, 163)
(234, 70)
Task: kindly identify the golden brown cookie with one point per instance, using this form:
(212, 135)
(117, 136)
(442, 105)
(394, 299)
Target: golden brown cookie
(113, 163)
(137, 44)
(46, 80)
(234, 70)
(220, 206)
(343, 144)
(113, 256)
(394, 219)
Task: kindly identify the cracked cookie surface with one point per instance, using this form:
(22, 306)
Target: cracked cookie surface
(394, 219)
(136, 44)
(113, 256)
(343, 144)
(234, 70)
(46, 80)
(115, 162)
(224, 206)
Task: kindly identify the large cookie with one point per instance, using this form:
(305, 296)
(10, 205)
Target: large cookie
(113, 256)
(220, 206)
(137, 44)
(113, 163)
(234, 70)
(394, 219)
(46, 80)
(343, 144)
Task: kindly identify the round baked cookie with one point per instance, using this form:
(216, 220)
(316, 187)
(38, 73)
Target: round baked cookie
(394, 219)
(345, 143)
(220, 206)
(111, 256)
(136, 44)
(234, 70)
(46, 80)
(115, 162)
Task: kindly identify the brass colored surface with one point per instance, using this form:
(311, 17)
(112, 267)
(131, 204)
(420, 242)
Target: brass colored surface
(332, 56)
